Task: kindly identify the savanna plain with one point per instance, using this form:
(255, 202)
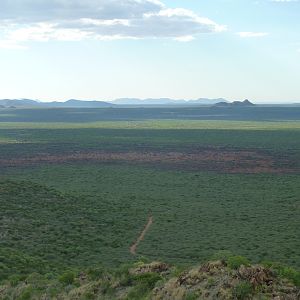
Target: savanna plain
(78, 186)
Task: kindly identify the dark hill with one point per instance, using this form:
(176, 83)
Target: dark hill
(73, 103)
(245, 103)
(18, 102)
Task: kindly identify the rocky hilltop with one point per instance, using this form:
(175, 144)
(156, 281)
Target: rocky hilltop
(229, 277)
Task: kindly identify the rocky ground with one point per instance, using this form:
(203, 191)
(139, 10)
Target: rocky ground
(230, 278)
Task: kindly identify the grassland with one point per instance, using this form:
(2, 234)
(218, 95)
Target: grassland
(158, 124)
(73, 115)
(77, 194)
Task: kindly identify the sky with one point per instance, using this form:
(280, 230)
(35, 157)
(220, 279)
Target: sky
(180, 49)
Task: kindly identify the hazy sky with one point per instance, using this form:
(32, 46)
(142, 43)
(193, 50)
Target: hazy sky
(106, 49)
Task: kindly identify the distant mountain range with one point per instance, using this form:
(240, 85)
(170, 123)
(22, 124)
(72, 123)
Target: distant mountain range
(74, 103)
(94, 104)
(70, 103)
(167, 101)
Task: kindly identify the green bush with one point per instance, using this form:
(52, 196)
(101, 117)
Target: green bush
(177, 271)
(15, 279)
(242, 291)
(291, 274)
(50, 276)
(222, 255)
(123, 274)
(89, 296)
(148, 279)
(143, 260)
(144, 283)
(126, 279)
(139, 292)
(67, 278)
(26, 294)
(106, 288)
(191, 296)
(285, 272)
(234, 262)
(96, 273)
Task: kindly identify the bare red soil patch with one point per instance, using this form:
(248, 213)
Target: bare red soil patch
(226, 160)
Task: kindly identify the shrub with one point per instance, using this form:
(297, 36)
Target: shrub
(89, 295)
(147, 279)
(242, 291)
(143, 260)
(234, 262)
(177, 271)
(211, 282)
(126, 279)
(222, 255)
(15, 279)
(144, 283)
(138, 292)
(291, 274)
(67, 278)
(106, 288)
(191, 296)
(123, 274)
(285, 272)
(123, 269)
(26, 294)
(50, 276)
(96, 273)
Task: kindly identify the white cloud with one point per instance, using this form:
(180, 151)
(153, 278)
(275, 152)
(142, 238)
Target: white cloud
(249, 34)
(72, 20)
(44, 32)
(187, 38)
(49, 10)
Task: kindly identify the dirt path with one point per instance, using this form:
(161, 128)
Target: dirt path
(141, 237)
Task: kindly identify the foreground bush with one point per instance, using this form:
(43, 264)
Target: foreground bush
(231, 277)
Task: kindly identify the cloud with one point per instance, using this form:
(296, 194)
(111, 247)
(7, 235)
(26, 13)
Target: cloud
(187, 38)
(249, 34)
(72, 20)
(54, 10)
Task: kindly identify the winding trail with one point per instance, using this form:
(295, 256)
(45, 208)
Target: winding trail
(134, 246)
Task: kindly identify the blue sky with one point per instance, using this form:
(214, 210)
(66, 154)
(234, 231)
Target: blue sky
(182, 49)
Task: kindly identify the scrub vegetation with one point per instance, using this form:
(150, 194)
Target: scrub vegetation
(75, 196)
(160, 281)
